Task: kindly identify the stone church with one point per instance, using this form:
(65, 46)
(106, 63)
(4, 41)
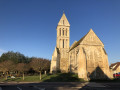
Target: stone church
(86, 57)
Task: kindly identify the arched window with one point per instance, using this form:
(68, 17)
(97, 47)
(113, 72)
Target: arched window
(60, 31)
(63, 22)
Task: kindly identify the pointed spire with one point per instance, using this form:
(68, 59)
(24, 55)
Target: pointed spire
(63, 12)
(91, 30)
(63, 21)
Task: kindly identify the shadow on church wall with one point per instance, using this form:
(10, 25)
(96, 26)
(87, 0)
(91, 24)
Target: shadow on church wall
(97, 74)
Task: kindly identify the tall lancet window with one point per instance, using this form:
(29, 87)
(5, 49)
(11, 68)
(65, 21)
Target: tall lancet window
(66, 31)
(63, 31)
(63, 22)
(63, 43)
(60, 31)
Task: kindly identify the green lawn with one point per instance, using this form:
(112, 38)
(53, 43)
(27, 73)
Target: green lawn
(61, 77)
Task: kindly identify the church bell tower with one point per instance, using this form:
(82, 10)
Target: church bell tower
(62, 43)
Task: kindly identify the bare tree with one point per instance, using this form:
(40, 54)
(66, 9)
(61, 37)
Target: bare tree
(39, 65)
(22, 67)
(6, 67)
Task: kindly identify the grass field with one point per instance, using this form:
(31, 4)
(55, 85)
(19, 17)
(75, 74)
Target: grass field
(60, 77)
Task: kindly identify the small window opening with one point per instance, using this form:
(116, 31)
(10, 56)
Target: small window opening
(63, 43)
(66, 32)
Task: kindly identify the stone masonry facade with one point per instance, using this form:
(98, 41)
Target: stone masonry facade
(86, 57)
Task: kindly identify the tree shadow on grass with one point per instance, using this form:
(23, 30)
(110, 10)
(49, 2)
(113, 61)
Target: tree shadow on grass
(14, 79)
(63, 77)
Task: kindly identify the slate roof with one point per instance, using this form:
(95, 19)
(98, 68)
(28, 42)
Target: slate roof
(77, 43)
(117, 64)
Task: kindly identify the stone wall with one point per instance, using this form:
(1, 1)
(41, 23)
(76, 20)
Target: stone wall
(64, 60)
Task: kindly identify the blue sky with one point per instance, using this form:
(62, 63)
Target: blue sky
(29, 26)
